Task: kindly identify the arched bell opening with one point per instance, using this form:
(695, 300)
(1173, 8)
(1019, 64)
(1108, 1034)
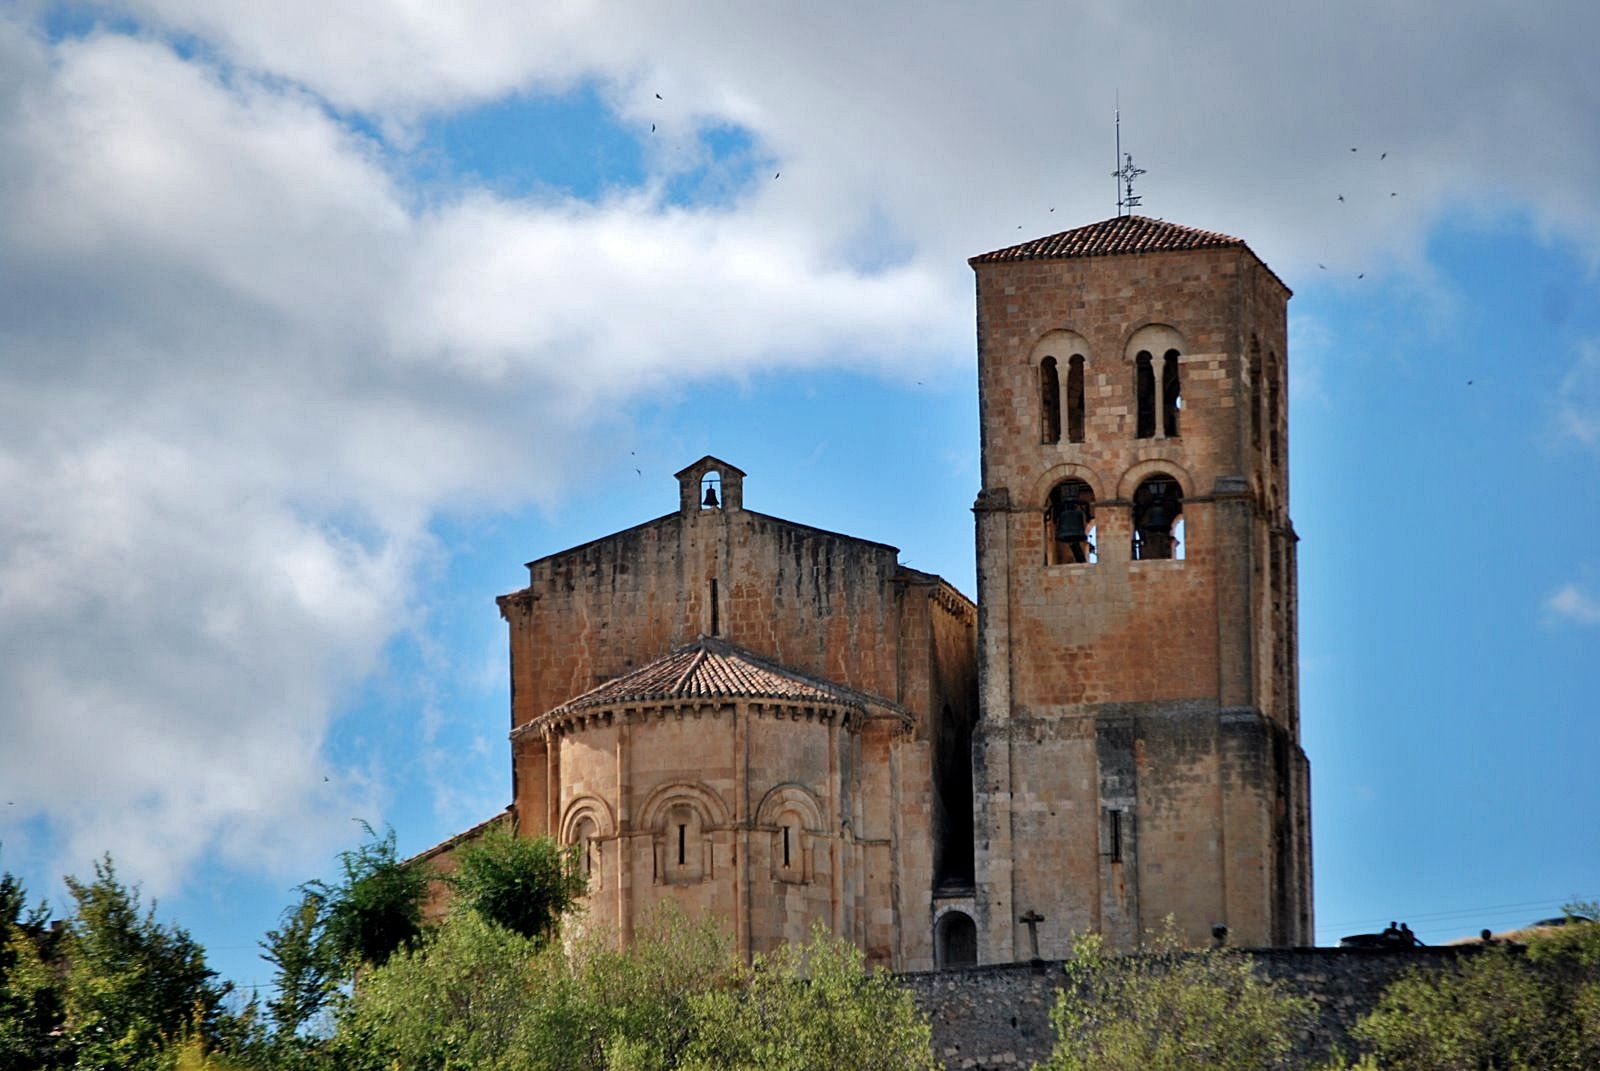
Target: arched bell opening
(711, 490)
(1069, 525)
(1158, 519)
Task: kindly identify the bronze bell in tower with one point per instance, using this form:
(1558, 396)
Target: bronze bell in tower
(1071, 524)
(711, 497)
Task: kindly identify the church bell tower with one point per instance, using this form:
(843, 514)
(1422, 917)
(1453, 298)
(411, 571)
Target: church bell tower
(1138, 748)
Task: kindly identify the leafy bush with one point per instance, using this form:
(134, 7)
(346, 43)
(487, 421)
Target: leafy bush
(1170, 1009)
(522, 883)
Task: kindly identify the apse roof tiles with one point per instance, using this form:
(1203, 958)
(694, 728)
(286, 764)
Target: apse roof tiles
(710, 668)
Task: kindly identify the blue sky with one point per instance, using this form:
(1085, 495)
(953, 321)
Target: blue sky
(321, 324)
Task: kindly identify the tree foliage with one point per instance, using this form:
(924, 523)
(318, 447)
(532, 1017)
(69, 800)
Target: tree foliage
(811, 1007)
(132, 983)
(476, 995)
(1499, 1008)
(1171, 1009)
(32, 1010)
(376, 908)
(522, 883)
(306, 965)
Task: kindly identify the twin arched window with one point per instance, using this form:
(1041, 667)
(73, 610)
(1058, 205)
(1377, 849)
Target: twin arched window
(1050, 408)
(1144, 377)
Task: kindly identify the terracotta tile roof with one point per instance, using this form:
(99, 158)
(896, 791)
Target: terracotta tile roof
(1112, 237)
(711, 668)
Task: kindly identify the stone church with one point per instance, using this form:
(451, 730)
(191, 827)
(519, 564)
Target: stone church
(777, 725)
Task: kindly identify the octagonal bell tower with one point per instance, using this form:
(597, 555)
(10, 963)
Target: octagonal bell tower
(1137, 754)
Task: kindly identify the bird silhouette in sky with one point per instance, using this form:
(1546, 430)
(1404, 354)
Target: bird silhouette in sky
(1361, 275)
(658, 96)
(1341, 198)
(775, 174)
(1324, 267)
(1381, 155)
(652, 128)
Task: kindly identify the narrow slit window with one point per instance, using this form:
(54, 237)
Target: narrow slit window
(715, 627)
(1171, 394)
(1274, 402)
(786, 846)
(1049, 401)
(1255, 394)
(683, 839)
(1145, 389)
(1075, 398)
(1116, 836)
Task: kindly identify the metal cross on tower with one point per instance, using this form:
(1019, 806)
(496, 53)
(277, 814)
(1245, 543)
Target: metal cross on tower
(1125, 174)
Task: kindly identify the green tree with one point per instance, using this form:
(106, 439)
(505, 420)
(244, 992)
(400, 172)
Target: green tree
(474, 994)
(132, 983)
(1497, 1008)
(31, 999)
(307, 971)
(470, 995)
(639, 1001)
(1171, 1009)
(376, 908)
(522, 883)
(811, 1007)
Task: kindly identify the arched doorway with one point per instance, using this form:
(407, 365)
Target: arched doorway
(956, 940)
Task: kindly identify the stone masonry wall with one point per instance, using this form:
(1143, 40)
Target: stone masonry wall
(997, 1017)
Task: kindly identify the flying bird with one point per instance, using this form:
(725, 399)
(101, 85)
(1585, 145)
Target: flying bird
(640, 473)
(1393, 194)
(1469, 382)
(1361, 275)
(1324, 267)
(775, 174)
(1341, 197)
(652, 128)
(658, 96)
(1352, 148)
(1381, 155)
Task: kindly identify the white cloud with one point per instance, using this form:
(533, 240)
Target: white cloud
(1580, 397)
(1574, 603)
(243, 373)
(958, 123)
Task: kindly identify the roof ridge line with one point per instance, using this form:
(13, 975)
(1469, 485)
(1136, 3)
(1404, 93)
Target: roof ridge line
(694, 663)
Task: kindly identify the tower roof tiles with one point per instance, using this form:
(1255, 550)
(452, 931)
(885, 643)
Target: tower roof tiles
(1117, 236)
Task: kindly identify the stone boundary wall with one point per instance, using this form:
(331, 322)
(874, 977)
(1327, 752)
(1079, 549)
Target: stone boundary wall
(997, 1017)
